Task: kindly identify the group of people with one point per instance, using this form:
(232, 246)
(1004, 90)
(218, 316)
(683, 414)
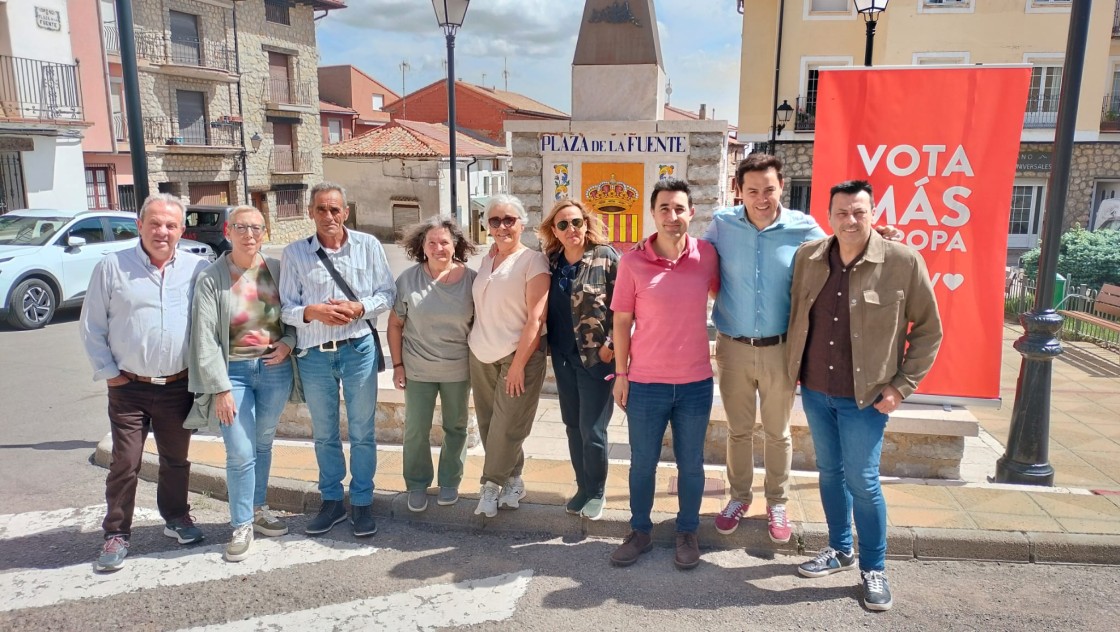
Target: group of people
(184, 345)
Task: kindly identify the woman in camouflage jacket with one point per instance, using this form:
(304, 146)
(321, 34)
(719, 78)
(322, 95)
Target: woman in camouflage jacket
(583, 266)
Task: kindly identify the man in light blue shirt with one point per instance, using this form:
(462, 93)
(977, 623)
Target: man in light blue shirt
(135, 327)
(756, 243)
(336, 346)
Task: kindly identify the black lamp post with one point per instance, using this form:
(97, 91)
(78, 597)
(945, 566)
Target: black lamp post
(782, 114)
(1026, 459)
(870, 10)
(450, 15)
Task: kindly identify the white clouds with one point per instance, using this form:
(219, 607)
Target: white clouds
(700, 42)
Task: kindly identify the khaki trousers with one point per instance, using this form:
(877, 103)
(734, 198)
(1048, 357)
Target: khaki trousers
(748, 375)
(504, 422)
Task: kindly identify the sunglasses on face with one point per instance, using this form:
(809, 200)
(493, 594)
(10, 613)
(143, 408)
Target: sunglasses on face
(245, 229)
(563, 224)
(504, 222)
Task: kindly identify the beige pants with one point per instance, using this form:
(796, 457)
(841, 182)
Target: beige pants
(745, 371)
(504, 422)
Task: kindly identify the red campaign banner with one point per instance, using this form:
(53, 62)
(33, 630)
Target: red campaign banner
(939, 147)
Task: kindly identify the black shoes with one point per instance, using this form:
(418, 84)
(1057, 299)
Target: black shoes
(361, 517)
(331, 513)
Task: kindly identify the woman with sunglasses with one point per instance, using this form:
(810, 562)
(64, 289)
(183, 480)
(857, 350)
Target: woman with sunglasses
(583, 266)
(428, 329)
(507, 362)
(240, 372)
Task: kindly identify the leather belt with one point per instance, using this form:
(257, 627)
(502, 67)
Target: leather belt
(158, 381)
(333, 345)
(769, 341)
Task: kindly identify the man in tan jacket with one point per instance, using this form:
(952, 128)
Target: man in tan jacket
(864, 330)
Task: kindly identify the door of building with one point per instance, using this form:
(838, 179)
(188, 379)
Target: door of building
(283, 160)
(185, 45)
(279, 87)
(209, 193)
(192, 116)
(12, 195)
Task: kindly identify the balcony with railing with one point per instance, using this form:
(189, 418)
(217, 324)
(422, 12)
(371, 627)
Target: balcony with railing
(1110, 113)
(286, 160)
(1042, 111)
(805, 114)
(120, 127)
(111, 37)
(282, 94)
(36, 90)
(1116, 20)
(220, 133)
(188, 56)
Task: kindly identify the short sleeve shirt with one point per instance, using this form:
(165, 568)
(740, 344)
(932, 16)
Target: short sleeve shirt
(499, 303)
(437, 319)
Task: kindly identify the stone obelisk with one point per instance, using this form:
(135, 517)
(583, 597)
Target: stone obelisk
(617, 72)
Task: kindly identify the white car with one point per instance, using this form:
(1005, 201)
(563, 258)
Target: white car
(47, 257)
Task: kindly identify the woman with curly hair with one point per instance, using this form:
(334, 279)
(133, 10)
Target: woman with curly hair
(428, 330)
(584, 267)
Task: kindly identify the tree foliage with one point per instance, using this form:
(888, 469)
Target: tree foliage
(1084, 257)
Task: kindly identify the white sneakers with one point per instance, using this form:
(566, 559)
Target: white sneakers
(491, 496)
(512, 493)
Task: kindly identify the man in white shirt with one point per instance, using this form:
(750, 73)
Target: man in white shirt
(135, 328)
(336, 346)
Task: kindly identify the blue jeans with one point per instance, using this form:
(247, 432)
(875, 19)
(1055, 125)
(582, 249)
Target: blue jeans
(354, 366)
(260, 393)
(651, 407)
(586, 404)
(848, 441)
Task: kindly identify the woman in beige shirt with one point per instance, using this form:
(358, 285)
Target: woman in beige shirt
(507, 361)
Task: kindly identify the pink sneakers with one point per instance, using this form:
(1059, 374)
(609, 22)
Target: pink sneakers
(778, 524)
(728, 520)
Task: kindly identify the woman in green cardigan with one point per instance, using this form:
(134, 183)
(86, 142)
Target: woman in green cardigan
(241, 372)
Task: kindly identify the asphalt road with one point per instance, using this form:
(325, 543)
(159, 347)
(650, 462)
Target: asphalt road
(421, 578)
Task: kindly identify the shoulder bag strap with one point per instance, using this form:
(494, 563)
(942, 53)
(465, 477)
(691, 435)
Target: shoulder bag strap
(345, 287)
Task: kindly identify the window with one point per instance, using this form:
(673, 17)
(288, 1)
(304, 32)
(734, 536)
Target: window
(334, 131)
(88, 229)
(829, 5)
(122, 228)
(948, 3)
(806, 119)
(1042, 101)
(378, 102)
(191, 107)
(404, 215)
(97, 187)
(288, 204)
(940, 59)
(126, 197)
(799, 193)
(1026, 211)
(276, 11)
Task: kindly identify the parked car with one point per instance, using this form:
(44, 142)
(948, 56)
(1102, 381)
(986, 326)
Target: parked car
(208, 225)
(47, 257)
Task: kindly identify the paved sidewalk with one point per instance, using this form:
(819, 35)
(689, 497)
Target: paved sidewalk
(1076, 522)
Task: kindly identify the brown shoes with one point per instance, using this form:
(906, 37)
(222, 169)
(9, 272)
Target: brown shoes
(688, 551)
(632, 548)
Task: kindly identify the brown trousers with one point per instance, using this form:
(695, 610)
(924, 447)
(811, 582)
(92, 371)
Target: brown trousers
(504, 422)
(135, 409)
(749, 377)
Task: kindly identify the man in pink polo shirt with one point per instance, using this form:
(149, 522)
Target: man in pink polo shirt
(663, 368)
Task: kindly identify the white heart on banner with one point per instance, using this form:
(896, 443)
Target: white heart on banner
(952, 281)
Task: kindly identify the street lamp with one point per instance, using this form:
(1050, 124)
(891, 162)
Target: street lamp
(782, 114)
(450, 15)
(255, 140)
(870, 10)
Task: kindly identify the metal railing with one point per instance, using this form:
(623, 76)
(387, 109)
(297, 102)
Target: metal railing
(1110, 113)
(1018, 298)
(159, 48)
(39, 90)
(111, 38)
(805, 114)
(287, 92)
(120, 127)
(1041, 111)
(286, 160)
(1116, 20)
(168, 131)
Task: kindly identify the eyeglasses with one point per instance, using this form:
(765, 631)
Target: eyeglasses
(563, 224)
(504, 222)
(245, 229)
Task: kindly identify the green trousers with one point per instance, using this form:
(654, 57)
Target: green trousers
(419, 409)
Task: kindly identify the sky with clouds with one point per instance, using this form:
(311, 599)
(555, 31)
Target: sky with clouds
(536, 39)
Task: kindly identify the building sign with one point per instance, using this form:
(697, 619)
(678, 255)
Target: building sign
(1034, 161)
(614, 144)
(48, 19)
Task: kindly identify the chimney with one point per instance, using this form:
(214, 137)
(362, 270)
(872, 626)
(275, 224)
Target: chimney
(703, 111)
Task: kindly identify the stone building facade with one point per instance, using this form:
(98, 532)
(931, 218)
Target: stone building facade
(230, 103)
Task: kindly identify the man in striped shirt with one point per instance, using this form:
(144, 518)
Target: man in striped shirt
(335, 345)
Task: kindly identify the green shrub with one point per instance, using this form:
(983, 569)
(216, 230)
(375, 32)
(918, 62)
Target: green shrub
(1084, 257)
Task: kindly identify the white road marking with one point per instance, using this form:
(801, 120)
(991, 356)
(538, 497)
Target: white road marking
(426, 608)
(191, 565)
(86, 519)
